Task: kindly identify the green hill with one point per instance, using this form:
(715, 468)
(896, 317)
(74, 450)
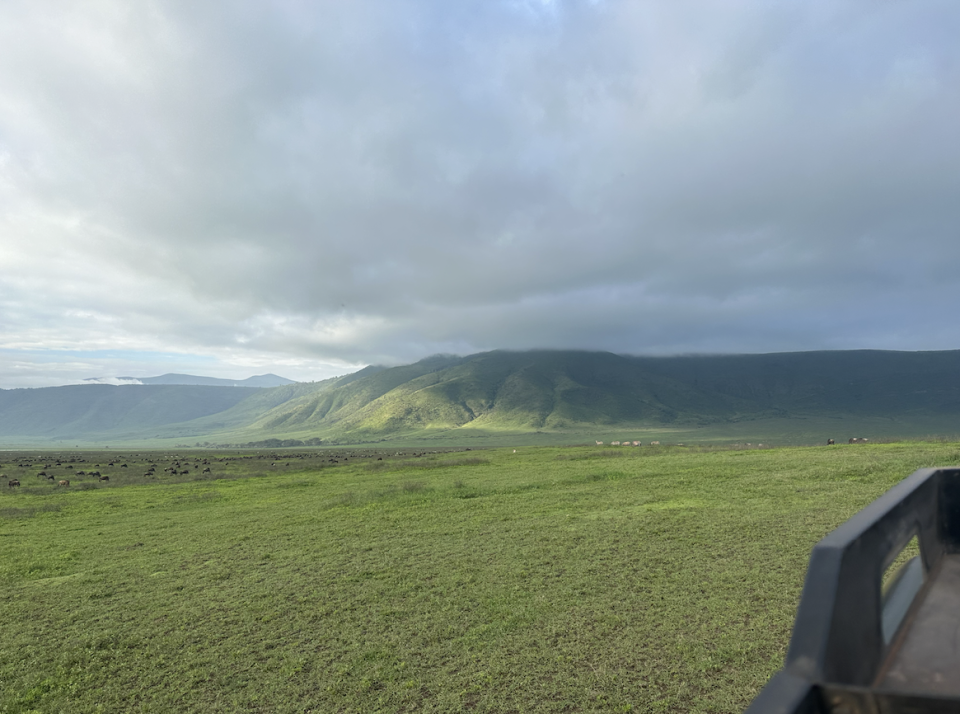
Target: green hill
(81, 410)
(557, 390)
(581, 391)
(522, 392)
(864, 382)
(262, 380)
(498, 390)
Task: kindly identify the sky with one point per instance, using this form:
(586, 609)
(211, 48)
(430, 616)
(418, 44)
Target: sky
(230, 188)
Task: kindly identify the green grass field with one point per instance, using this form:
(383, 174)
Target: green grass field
(552, 579)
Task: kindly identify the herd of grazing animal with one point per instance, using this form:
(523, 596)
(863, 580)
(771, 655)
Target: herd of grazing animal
(76, 472)
(830, 442)
(85, 469)
(70, 469)
(197, 467)
(853, 440)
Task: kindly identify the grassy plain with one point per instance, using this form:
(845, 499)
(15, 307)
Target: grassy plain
(550, 579)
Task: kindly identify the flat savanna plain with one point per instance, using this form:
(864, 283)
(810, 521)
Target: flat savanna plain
(547, 579)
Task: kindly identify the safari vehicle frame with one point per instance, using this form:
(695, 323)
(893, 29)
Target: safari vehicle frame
(858, 648)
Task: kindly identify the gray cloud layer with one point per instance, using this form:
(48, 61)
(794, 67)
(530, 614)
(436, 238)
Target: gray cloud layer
(307, 187)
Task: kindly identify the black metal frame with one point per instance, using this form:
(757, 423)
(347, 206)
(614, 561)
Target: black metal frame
(838, 644)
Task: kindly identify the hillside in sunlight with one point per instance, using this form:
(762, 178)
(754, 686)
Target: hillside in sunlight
(516, 392)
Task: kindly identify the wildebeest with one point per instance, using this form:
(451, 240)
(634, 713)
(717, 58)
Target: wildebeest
(63, 482)
(13, 482)
(206, 471)
(104, 478)
(830, 441)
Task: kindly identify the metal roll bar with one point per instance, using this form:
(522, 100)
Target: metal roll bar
(861, 648)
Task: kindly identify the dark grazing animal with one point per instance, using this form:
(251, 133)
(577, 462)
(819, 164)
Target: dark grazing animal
(13, 482)
(830, 441)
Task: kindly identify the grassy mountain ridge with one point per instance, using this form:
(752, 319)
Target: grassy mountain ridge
(520, 392)
(261, 380)
(332, 406)
(95, 408)
(248, 410)
(856, 381)
(556, 390)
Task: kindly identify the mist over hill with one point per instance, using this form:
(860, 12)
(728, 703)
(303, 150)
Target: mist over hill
(518, 392)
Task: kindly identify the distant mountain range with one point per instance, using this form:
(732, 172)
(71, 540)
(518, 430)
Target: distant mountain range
(263, 381)
(508, 392)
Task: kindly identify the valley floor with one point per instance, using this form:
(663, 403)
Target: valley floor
(547, 579)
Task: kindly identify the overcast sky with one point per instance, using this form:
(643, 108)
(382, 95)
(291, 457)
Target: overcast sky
(232, 188)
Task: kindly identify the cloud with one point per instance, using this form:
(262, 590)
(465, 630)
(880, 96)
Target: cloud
(318, 186)
(116, 381)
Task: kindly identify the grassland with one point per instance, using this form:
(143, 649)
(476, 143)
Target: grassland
(545, 579)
